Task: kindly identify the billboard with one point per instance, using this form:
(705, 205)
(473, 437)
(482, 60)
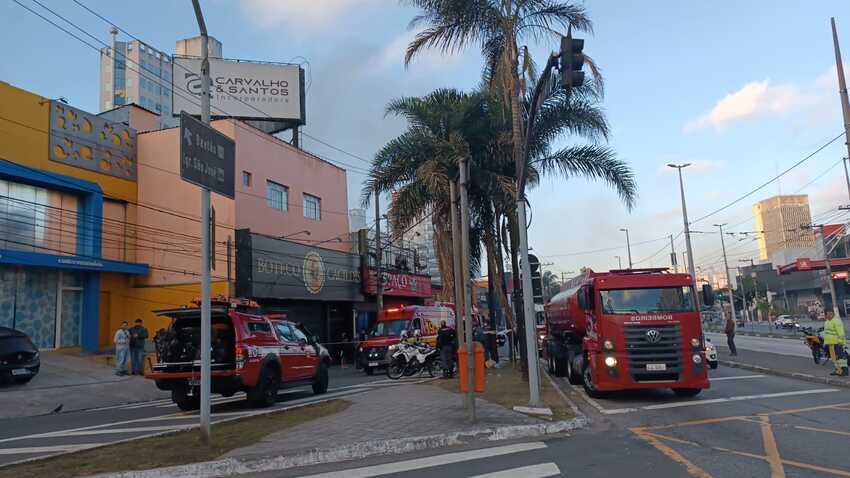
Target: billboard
(399, 284)
(241, 89)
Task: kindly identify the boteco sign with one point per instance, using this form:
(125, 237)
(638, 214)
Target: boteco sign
(272, 268)
(207, 157)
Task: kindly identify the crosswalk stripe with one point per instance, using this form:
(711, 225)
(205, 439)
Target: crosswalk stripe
(533, 471)
(431, 461)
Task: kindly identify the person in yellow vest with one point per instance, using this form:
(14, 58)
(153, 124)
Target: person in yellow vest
(835, 341)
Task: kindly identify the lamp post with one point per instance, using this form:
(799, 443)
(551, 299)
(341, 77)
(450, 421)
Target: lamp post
(688, 248)
(628, 245)
(619, 262)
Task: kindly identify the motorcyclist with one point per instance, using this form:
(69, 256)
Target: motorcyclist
(447, 345)
(835, 342)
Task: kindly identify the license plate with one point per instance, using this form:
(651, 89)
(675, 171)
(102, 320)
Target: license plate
(656, 367)
(20, 371)
(194, 382)
(373, 364)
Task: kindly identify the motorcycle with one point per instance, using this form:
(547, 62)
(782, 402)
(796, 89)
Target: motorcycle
(814, 340)
(407, 360)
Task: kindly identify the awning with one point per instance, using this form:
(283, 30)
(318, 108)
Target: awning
(38, 259)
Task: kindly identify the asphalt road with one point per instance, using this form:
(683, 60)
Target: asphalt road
(37, 436)
(794, 347)
(746, 425)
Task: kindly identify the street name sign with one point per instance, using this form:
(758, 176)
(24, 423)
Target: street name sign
(207, 157)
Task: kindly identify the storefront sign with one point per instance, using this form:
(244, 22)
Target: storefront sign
(270, 268)
(401, 285)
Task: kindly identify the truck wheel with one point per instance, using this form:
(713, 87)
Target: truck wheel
(574, 371)
(589, 388)
(687, 392)
(264, 394)
(183, 401)
(320, 382)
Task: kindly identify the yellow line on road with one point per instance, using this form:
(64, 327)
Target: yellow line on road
(810, 409)
(822, 430)
(693, 469)
(771, 450)
(672, 439)
(796, 464)
(709, 421)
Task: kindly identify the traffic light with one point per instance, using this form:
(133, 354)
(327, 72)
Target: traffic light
(707, 295)
(536, 280)
(572, 59)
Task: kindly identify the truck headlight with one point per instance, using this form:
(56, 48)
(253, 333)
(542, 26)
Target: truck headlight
(542, 336)
(695, 342)
(608, 345)
(611, 361)
(697, 359)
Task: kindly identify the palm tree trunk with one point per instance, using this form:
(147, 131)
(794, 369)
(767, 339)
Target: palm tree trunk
(443, 249)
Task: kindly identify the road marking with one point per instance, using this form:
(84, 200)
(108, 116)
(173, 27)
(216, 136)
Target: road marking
(738, 398)
(106, 431)
(771, 450)
(822, 430)
(533, 471)
(692, 469)
(431, 461)
(45, 449)
(736, 377)
(796, 464)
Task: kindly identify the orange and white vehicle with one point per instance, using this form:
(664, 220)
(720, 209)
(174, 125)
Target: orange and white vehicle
(627, 329)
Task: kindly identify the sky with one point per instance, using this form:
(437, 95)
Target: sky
(741, 90)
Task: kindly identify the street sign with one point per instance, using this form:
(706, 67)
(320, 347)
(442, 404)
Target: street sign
(207, 157)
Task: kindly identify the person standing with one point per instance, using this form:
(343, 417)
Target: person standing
(447, 345)
(122, 348)
(730, 335)
(138, 335)
(835, 341)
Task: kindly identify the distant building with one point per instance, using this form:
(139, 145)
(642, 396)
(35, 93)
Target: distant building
(133, 72)
(357, 219)
(781, 218)
(422, 238)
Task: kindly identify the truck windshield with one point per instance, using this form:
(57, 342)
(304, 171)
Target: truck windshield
(647, 301)
(389, 328)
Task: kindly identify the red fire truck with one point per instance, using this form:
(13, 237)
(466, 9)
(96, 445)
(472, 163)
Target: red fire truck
(627, 329)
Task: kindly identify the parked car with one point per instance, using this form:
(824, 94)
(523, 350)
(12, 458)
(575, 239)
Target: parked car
(784, 322)
(710, 354)
(19, 360)
(251, 352)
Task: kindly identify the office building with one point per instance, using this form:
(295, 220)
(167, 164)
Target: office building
(783, 220)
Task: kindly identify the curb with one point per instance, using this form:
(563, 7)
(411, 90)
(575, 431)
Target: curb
(233, 466)
(799, 376)
(757, 334)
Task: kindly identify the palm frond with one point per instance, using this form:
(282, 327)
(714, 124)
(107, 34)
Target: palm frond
(596, 163)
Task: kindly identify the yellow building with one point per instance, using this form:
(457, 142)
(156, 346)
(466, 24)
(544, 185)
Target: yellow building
(69, 235)
(782, 220)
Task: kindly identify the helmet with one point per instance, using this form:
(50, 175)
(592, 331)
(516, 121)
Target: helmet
(403, 335)
(417, 333)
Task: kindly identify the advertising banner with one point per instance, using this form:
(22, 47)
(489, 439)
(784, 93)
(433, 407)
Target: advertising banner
(241, 89)
(400, 284)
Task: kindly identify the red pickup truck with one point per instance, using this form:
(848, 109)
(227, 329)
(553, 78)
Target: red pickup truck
(251, 352)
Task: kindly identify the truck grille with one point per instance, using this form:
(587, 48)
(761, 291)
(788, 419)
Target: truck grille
(663, 346)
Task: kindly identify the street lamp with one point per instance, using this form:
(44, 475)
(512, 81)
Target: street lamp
(628, 245)
(690, 251)
(619, 262)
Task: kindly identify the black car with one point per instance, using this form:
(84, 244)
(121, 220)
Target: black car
(19, 361)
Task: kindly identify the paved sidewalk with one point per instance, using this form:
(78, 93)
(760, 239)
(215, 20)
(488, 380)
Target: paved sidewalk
(76, 382)
(395, 413)
(803, 368)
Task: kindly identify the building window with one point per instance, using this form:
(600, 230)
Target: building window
(312, 207)
(246, 179)
(277, 196)
(129, 47)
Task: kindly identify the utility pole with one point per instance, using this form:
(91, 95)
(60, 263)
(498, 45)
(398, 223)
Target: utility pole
(628, 246)
(845, 104)
(467, 301)
(744, 297)
(379, 259)
(726, 266)
(619, 262)
(206, 327)
(755, 286)
(688, 247)
(456, 263)
(673, 255)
